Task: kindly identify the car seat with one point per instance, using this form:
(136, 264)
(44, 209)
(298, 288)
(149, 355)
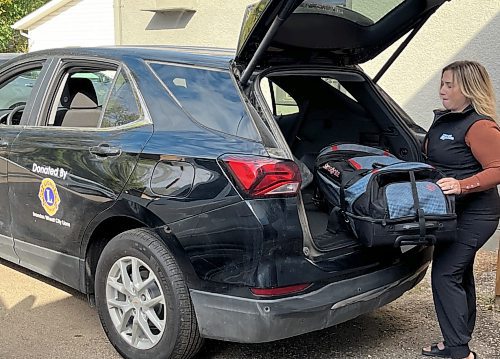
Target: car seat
(80, 107)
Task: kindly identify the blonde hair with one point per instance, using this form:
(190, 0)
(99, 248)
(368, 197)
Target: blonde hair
(475, 84)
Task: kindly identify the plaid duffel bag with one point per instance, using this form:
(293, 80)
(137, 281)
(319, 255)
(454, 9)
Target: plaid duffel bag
(384, 200)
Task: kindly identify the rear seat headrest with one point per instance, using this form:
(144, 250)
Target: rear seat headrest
(79, 93)
(82, 101)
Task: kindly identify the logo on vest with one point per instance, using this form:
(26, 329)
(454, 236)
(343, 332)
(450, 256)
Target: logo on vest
(445, 136)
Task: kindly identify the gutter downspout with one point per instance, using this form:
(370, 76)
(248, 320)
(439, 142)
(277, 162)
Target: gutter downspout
(27, 36)
(117, 7)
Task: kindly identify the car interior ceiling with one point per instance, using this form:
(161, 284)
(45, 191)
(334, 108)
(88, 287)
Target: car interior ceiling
(326, 115)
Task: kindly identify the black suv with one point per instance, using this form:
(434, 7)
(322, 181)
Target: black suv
(166, 183)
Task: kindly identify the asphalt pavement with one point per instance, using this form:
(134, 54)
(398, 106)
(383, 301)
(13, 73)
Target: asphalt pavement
(42, 319)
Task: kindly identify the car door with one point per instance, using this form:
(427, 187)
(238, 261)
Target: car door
(16, 91)
(72, 161)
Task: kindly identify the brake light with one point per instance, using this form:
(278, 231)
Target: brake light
(273, 292)
(263, 176)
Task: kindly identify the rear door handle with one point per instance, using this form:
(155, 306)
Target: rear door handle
(105, 150)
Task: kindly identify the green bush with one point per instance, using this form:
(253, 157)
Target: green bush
(10, 12)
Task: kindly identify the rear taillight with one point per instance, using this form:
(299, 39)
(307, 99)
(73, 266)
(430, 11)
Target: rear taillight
(263, 176)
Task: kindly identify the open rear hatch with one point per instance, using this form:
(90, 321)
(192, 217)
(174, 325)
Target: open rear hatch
(331, 32)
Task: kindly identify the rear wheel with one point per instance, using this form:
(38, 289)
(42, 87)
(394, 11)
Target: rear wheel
(142, 299)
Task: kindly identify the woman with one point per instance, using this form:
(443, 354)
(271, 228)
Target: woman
(464, 143)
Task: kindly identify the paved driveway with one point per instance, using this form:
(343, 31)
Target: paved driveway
(41, 319)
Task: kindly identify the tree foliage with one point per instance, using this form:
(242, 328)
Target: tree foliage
(10, 12)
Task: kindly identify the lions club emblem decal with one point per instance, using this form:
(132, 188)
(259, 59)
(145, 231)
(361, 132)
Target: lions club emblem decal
(49, 196)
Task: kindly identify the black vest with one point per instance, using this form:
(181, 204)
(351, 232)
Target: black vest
(448, 152)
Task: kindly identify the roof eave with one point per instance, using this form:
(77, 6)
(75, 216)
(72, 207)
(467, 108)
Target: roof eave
(32, 18)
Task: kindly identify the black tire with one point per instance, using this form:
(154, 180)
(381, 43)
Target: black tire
(180, 338)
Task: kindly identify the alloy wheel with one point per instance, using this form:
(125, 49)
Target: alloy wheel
(136, 302)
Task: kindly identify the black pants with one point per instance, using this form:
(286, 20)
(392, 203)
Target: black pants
(453, 286)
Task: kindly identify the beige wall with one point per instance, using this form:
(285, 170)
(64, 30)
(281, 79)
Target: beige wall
(215, 23)
(460, 29)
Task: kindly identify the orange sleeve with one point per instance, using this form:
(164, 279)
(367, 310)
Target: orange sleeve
(483, 138)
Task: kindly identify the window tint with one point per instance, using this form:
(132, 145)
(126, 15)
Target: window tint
(360, 11)
(17, 90)
(122, 107)
(209, 96)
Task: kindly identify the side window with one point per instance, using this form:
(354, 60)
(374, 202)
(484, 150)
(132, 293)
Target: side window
(122, 107)
(285, 104)
(278, 100)
(80, 97)
(101, 80)
(335, 84)
(17, 90)
(209, 96)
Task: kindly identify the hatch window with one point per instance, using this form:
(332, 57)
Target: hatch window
(362, 12)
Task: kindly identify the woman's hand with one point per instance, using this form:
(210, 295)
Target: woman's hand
(449, 185)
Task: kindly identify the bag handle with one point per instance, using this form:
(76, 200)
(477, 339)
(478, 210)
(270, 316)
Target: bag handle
(377, 165)
(420, 211)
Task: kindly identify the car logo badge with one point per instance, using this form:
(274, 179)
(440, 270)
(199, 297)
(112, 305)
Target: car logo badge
(49, 196)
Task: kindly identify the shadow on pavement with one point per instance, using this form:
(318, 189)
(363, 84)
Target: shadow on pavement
(40, 318)
(362, 337)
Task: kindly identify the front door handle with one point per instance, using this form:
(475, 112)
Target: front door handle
(105, 150)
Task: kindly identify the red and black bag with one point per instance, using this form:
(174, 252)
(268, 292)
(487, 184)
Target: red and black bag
(384, 200)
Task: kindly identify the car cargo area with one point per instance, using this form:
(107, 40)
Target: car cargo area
(314, 110)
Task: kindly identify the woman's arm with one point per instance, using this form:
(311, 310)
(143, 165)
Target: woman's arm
(483, 138)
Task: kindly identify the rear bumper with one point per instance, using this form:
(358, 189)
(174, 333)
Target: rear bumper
(246, 320)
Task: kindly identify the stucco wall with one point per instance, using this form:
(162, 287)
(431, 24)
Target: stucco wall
(78, 23)
(215, 23)
(460, 29)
